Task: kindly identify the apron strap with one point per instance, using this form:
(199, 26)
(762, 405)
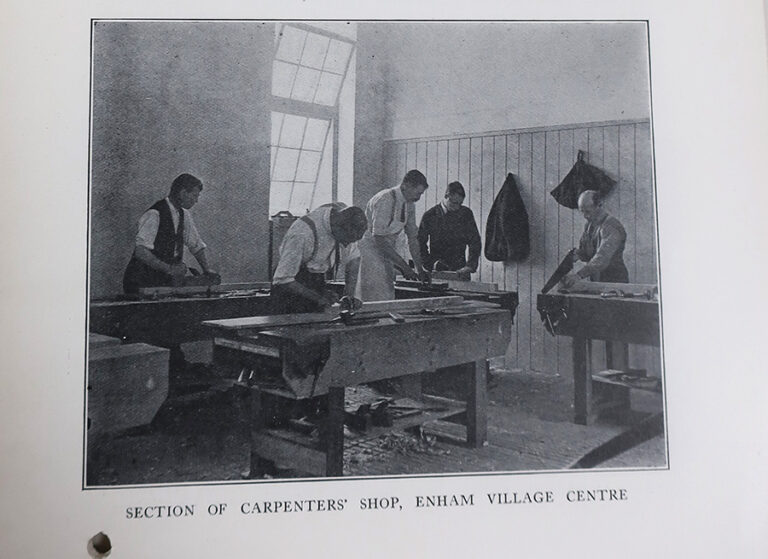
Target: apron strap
(313, 227)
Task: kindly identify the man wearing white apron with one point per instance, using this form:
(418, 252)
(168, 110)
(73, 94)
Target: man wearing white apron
(389, 212)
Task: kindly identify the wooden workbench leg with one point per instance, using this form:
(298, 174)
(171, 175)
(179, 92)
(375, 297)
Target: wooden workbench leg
(334, 450)
(477, 405)
(581, 382)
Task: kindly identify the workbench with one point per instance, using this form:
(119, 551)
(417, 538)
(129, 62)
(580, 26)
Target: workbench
(314, 355)
(626, 313)
(168, 317)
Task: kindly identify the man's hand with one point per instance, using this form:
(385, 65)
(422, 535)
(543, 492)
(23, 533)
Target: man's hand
(177, 273)
(570, 279)
(409, 274)
(464, 273)
(424, 276)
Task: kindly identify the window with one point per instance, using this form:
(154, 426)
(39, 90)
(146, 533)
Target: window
(309, 70)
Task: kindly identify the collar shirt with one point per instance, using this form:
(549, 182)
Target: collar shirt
(299, 243)
(388, 213)
(149, 223)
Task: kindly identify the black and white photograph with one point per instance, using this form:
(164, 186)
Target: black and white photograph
(334, 279)
(371, 248)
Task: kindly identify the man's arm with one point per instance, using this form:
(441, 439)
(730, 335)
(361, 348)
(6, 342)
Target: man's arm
(176, 271)
(425, 230)
(388, 251)
(350, 276)
(474, 242)
(412, 232)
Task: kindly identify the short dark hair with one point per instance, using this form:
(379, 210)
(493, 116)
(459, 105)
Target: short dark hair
(455, 188)
(353, 219)
(185, 181)
(415, 178)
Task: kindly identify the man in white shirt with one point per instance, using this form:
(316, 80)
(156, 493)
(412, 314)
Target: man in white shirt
(164, 230)
(315, 246)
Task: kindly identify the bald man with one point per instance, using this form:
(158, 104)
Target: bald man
(601, 245)
(602, 248)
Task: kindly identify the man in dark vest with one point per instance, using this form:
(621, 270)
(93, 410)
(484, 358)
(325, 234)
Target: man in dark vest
(445, 233)
(314, 248)
(164, 230)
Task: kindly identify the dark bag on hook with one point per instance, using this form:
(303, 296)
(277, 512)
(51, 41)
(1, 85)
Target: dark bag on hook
(506, 232)
(581, 177)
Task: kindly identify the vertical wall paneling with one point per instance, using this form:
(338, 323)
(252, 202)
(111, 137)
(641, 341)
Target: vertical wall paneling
(463, 169)
(511, 281)
(434, 186)
(487, 196)
(453, 162)
(421, 165)
(527, 318)
(538, 168)
(566, 239)
(442, 172)
(475, 183)
(499, 172)
(540, 159)
(626, 187)
(551, 229)
(580, 143)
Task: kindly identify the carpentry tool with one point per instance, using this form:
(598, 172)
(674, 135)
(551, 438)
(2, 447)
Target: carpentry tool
(566, 265)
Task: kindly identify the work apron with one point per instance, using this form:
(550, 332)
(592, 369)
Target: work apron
(376, 277)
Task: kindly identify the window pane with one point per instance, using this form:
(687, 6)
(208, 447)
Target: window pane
(328, 89)
(279, 196)
(277, 120)
(338, 54)
(285, 164)
(302, 198)
(315, 134)
(306, 84)
(308, 163)
(314, 51)
(291, 43)
(282, 78)
(293, 131)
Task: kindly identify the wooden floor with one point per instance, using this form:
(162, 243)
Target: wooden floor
(197, 438)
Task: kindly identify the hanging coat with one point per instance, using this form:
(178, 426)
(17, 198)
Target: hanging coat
(581, 177)
(506, 232)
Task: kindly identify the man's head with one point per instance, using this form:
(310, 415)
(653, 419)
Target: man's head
(185, 190)
(413, 185)
(454, 196)
(591, 205)
(348, 225)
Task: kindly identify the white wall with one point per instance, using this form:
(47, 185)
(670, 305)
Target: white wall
(459, 78)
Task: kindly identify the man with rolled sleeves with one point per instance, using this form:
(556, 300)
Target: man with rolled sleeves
(164, 230)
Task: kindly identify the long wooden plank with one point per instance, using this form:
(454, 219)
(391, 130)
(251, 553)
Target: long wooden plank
(261, 322)
(197, 289)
